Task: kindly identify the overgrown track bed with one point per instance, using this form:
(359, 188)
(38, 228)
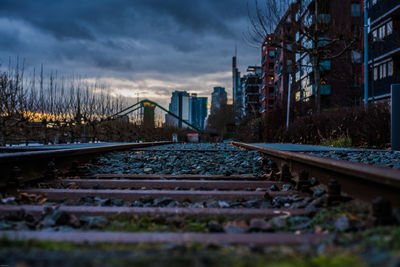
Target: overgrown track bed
(186, 195)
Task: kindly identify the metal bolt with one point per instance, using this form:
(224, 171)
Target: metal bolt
(51, 171)
(333, 196)
(303, 184)
(286, 175)
(381, 212)
(274, 171)
(15, 177)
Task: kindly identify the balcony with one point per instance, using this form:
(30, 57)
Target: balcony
(325, 65)
(381, 8)
(388, 44)
(382, 87)
(325, 89)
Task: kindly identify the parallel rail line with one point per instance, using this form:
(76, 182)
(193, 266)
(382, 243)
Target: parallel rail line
(362, 181)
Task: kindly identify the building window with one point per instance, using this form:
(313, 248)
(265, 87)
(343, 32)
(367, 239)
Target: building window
(374, 2)
(271, 54)
(389, 28)
(375, 73)
(355, 10)
(375, 35)
(382, 32)
(390, 68)
(384, 70)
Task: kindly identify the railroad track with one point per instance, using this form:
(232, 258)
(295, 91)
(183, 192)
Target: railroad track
(226, 196)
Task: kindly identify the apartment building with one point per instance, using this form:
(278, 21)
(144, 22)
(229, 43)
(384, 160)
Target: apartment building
(384, 48)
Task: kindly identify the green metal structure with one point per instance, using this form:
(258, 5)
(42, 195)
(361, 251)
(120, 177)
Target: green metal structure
(141, 103)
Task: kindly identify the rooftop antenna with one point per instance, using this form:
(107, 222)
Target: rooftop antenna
(235, 50)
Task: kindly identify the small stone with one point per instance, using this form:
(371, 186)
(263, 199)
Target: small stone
(310, 210)
(212, 204)
(223, 204)
(162, 201)
(57, 217)
(278, 222)
(98, 186)
(278, 201)
(301, 226)
(342, 224)
(73, 221)
(318, 193)
(214, 227)
(261, 189)
(93, 222)
(287, 187)
(235, 227)
(294, 220)
(147, 169)
(273, 188)
(260, 225)
(196, 205)
(117, 202)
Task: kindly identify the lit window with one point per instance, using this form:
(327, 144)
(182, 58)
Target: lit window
(374, 2)
(375, 73)
(390, 68)
(384, 70)
(389, 28)
(374, 35)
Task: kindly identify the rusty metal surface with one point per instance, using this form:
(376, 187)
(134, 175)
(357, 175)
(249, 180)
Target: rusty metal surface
(33, 155)
(171, 184)
(99, 211)
(167, 238)
(178, 177)
(365, 182)
(130, 195)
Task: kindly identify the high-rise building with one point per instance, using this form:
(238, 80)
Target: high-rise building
(268, 93)
(252, 90)
(198, 110)
(218, 98)
(180, 106)
(237, 92)
(148, 115)
(384, 47)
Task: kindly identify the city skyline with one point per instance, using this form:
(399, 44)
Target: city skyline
(151, 48)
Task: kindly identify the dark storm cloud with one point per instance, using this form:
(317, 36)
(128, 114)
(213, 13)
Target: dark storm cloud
(124, 38)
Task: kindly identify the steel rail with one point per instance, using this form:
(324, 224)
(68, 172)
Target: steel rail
(363, 181)
(34, 155)
(20, 167)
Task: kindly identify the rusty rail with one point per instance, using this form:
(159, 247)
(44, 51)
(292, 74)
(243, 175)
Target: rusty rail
(20, 167)
(363, 181)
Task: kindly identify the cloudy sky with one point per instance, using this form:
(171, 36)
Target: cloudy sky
(148, 46)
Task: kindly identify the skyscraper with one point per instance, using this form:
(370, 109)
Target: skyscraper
(218, 98)
(180, 106)
(237, 92)
(198, 108)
